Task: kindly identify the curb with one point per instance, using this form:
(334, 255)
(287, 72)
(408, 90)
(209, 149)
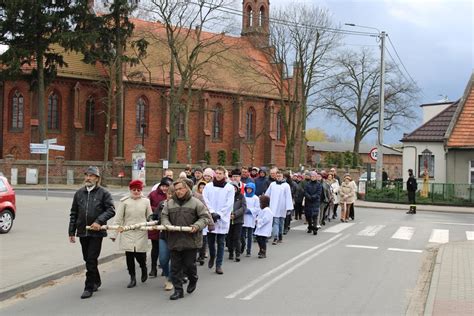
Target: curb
(29, 285)
(422, 209)
(434, 283)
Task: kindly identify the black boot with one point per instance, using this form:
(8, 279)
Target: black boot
(237, 257)
(133, 282)
(210, 264)
(315, 230)
(144, 274)
(153, 272)
(191, 286)
(178, 293)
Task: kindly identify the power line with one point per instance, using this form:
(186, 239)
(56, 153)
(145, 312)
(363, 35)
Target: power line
(287, 23)
(398, 56)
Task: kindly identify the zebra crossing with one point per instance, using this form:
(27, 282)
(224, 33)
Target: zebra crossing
(437, 236)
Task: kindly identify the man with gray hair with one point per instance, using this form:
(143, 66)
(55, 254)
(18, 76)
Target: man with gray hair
(92, 206)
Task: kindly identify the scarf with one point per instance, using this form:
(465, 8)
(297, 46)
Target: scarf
(219, 184)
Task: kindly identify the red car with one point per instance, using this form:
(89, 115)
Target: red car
(7, 206)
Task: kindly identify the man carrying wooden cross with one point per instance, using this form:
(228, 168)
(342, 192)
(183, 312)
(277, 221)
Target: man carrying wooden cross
(184, 210)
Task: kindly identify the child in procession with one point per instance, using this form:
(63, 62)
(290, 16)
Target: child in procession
(253, 207)
(264, 223)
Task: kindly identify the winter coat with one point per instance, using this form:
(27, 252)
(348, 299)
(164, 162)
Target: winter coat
(188, 211)
(312, 197)
(347, 193)
(155, 199)
(280, 198)
(264, 223)
(299, 193)
(253, 206)
(240, 205)
(96, 206)
(131, 212)
(335, 191)
(221, 201)
(325, 193)
(261, 185)
(412, 186)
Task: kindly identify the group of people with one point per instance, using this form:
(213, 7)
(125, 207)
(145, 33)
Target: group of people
(221, 210)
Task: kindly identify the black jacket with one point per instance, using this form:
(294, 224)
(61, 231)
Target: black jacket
(240, 205)
(411, 184)
(89, 207)
(312, 195)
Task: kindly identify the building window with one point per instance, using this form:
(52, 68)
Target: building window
(90, 115)
(250, 124)
(53, 111)
(471, 172)
(217, 123)
(261, 17)
(17, 110)
(426, 162)
(249, 17)
(141, 115)
(279, 127)
(181, 124)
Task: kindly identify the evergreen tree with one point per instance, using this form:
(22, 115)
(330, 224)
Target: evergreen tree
(33, 30)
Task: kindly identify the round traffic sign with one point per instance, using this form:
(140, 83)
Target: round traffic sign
(373, 154)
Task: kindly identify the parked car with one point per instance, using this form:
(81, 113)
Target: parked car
(7, 205)
(363, 177)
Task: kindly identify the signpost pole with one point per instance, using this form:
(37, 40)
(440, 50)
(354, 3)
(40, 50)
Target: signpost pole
(47, 169)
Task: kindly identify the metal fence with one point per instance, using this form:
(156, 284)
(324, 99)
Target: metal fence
(439, 193)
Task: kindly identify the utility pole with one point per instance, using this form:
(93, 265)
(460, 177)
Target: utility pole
(379, 163)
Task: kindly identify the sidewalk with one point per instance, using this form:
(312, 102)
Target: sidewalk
(452, 283)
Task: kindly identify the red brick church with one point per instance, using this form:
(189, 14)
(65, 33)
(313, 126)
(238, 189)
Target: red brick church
(238, 108)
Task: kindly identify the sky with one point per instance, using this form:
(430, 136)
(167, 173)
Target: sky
(434, 39)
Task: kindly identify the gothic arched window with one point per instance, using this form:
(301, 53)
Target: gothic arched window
(217, 122)
(17, 111)
(250, 124)
(54, 108)
(261, 16)
(279, 127)
(90, 115)
(141, 115)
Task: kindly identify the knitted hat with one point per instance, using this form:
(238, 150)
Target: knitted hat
(165, 181)
(135, 184)
(198, 169)
(208, 172)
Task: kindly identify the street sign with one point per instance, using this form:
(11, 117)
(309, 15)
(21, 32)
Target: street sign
(38, 148)
(57, 147)
(50, 141)
(373, 154)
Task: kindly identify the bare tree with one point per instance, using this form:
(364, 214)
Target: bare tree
(352, 94)
(189, 51)
(251, 144)
(300, 45)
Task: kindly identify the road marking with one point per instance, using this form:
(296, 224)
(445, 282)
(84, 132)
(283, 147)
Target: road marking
(338, 228)
(290, 270)
(280, 267)
(371, 231)
(361, 246)
(444, 223)
(470, 235)
(404, 232)
(440, 236)
(405, 250)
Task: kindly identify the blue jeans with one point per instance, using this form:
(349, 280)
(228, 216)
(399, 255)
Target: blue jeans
(165, 258)
(247, 233)
(277, 228)
(211, 239)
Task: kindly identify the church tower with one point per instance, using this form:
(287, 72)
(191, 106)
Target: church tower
(255, 21)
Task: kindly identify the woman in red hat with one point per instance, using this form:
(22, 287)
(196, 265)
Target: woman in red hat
(134, 208)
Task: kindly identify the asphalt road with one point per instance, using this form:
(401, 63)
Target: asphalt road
(367, 267)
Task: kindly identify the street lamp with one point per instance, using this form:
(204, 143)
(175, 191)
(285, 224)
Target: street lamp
(143, 126)
(379, 162)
